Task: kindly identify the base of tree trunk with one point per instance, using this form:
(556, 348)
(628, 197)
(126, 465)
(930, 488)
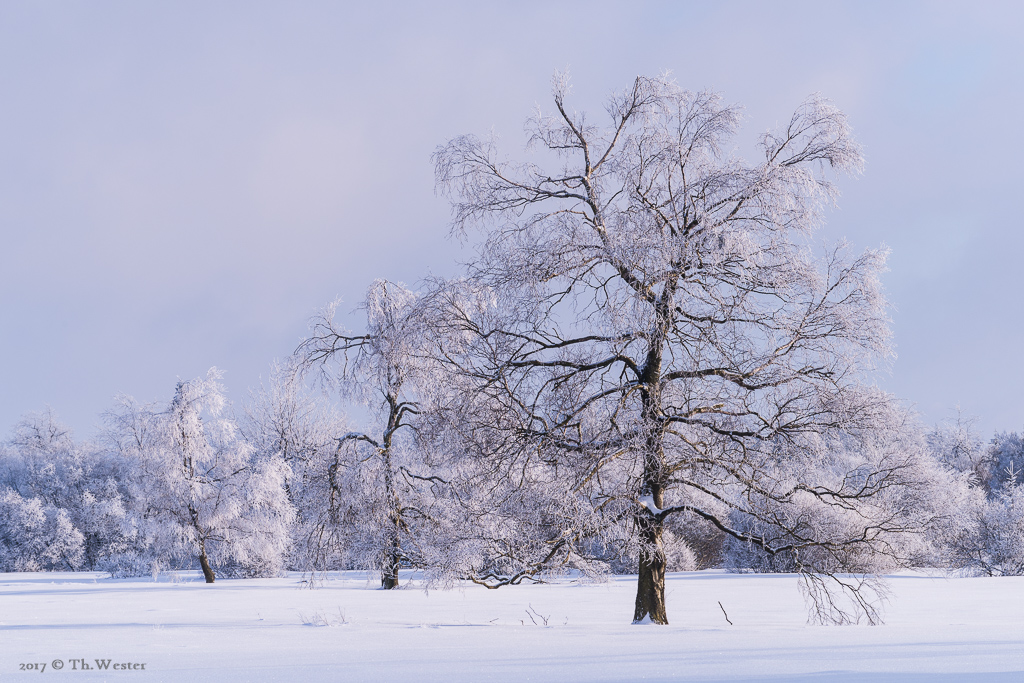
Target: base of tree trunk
(389, 577)
(650, 590)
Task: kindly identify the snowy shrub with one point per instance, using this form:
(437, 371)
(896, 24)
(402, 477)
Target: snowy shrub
(35, 537)
(704, 542)
(998, 540)
(982, 530)
(289, 422)
(984, 536)
(90, 485)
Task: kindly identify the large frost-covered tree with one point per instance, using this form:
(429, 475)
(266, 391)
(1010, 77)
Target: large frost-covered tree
(666, 337)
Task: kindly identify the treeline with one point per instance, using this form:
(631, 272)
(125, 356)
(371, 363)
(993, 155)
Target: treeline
(189, 485)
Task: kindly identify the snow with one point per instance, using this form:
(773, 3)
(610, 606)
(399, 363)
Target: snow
(937, 629)
(648, 502)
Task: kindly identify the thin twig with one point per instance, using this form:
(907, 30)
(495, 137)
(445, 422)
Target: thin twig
(723, 612)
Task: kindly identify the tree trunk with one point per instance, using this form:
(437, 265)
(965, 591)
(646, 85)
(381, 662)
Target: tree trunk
(650, 589)
(389, 576)
(204, 562)
(389, 573)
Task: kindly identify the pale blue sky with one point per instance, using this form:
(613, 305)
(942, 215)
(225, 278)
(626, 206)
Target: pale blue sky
(183, 185)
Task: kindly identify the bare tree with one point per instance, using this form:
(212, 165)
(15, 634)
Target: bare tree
(380, 370)
(666, 337)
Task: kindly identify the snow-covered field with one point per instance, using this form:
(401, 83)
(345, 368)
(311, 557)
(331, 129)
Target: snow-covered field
(937, 629)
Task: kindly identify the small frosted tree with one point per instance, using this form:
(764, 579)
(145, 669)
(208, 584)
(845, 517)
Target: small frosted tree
(203, 494)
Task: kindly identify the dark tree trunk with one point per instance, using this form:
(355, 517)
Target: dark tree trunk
(650, 589)
(204, 562)
(389, 576)
(389, 573)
